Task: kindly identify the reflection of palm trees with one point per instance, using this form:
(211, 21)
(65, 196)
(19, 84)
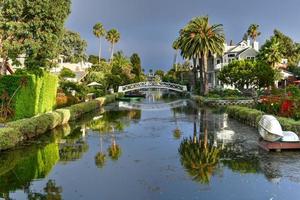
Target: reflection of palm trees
(199, 161)
(114, 151)
(176, 131)
(52, 192)
(100, 158)
(74, 147)
(199, 158)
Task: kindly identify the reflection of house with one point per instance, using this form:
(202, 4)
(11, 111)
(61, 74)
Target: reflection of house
(242, 51)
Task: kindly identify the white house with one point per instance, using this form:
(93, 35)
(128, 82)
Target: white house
(243, 50)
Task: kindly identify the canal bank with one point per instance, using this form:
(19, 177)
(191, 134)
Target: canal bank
(19, 131)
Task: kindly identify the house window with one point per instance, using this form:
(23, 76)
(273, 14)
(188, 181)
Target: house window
(218, 61)
(231, 55)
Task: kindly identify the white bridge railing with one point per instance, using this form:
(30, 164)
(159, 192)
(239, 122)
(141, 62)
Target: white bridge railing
(150, 85)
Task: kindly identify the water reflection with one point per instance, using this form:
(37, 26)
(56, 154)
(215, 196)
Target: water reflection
(19, 167)
(177, 150)
(51, 192)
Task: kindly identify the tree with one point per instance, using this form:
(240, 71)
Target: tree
(93, 59)
(198, 40)
(99, 32)
(112, 36)
(270, 52)
(22, 32)
(66, 73)
(238, 74)
(136, 65)
(247, 74)
(73, 48)
(253, 31)
(160, 73)
(288, 48)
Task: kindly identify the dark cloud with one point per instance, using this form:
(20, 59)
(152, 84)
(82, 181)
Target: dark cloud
(149, 26)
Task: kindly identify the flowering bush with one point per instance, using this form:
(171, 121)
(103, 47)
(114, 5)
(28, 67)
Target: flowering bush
(286, 105)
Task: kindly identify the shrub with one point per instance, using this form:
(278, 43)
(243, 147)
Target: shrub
(252, 116)
(37, 96)
(20, 130)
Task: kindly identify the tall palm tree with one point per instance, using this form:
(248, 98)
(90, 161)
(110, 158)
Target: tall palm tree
(253, 31)
(112, 36)
(99, 32)
(175, 46)
(199, 40)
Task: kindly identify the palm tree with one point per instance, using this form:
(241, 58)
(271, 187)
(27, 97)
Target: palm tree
(270, 52)
(199, 40)
(99, 32)
(112, 36)
(253, 31)
(175, 46)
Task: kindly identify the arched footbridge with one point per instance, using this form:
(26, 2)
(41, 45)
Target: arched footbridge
(154, 85)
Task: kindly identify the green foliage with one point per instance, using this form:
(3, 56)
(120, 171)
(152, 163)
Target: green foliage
(247, 115)
(295, 70)
(271, 52)
(24, 129)
(68, 86)
(253, 31)
(245, 73)
(136, 65)
(66, 73)
(28, 163)
(294, 90)
(252, 116)
(200, 159)
(72, 47)
(38, 96)
(23, 33)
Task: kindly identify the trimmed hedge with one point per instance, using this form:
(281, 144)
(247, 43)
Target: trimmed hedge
(38, 96)
(252, 116)
(24, 129)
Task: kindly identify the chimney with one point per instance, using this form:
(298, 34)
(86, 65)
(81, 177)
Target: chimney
(248, 42)
(256, 45)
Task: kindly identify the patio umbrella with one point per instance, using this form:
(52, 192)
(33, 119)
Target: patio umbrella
(94, 84)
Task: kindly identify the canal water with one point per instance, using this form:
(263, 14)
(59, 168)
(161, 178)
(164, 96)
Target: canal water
(152, 149)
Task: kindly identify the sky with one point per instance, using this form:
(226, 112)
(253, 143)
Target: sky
(149, 27)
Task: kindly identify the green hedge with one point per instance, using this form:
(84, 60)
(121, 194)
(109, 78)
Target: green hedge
(252, 116)
(17, 131)
(38, 96)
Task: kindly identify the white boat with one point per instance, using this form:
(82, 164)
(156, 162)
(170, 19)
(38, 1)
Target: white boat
(270, 130)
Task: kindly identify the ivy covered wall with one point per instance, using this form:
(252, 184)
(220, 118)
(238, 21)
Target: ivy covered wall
(35, 94)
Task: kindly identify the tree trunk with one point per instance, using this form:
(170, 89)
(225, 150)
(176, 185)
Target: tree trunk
(4, 66)
(100, 49)
(205, 81)
(175, 60)
(194, 72)
(112, 51)
(201, 76)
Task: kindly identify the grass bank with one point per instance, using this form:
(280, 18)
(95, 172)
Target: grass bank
(18, 131)
(252, 116)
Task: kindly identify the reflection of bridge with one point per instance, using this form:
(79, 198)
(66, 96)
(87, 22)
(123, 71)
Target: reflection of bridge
(152, 84)
(152, 106)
